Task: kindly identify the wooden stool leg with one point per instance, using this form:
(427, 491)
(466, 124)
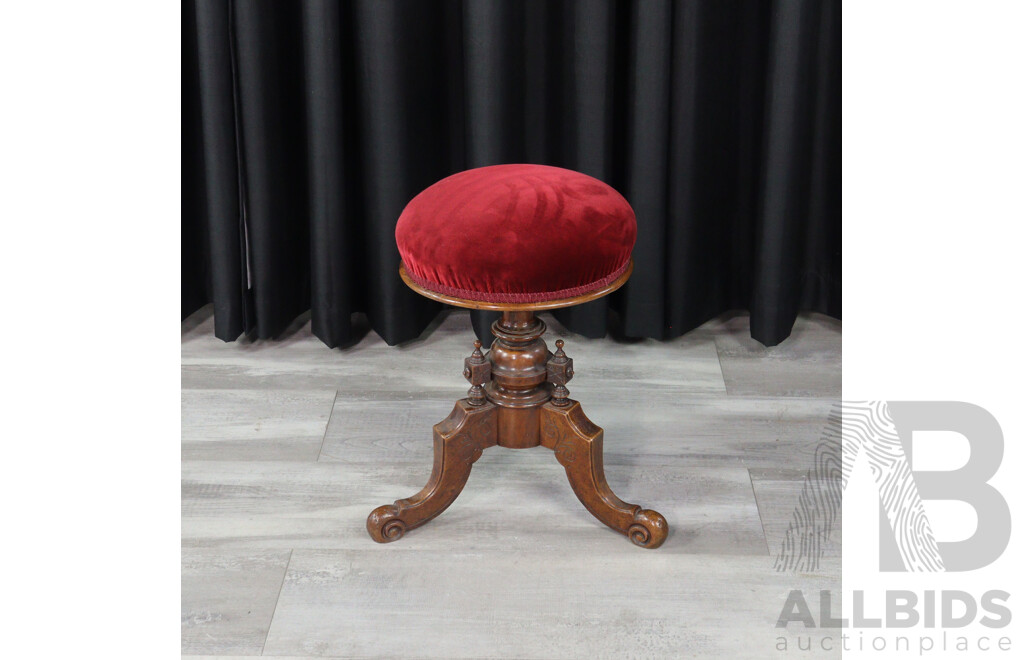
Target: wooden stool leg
(578, 446)
(458, 443)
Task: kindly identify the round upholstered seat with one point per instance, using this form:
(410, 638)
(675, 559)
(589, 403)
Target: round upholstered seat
(516, 234)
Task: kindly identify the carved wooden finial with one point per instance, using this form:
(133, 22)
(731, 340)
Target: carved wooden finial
(477, 372)
(559, 373)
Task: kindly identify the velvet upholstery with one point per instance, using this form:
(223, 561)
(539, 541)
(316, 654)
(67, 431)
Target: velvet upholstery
(517, 234)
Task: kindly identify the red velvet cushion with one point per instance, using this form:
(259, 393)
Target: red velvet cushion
(516, 233)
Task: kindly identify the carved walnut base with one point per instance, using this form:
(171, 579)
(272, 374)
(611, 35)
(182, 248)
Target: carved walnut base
(518, 399)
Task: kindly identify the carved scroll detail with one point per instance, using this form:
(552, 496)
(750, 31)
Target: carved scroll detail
(578, 446)
(458, 442)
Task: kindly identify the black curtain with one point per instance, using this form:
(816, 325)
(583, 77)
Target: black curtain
(307, 126)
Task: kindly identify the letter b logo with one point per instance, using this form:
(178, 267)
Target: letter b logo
(967, 484)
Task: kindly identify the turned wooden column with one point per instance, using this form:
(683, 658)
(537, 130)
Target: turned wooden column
(518, 384)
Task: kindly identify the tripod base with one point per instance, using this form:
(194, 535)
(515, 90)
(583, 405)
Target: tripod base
(526, 404)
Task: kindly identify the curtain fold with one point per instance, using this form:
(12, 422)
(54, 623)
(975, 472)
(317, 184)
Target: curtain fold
(307, 127)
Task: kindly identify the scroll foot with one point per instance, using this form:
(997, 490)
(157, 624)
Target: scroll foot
(578, 446)
(458, 442)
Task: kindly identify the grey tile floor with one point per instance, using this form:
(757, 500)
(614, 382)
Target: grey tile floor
(287, 446)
